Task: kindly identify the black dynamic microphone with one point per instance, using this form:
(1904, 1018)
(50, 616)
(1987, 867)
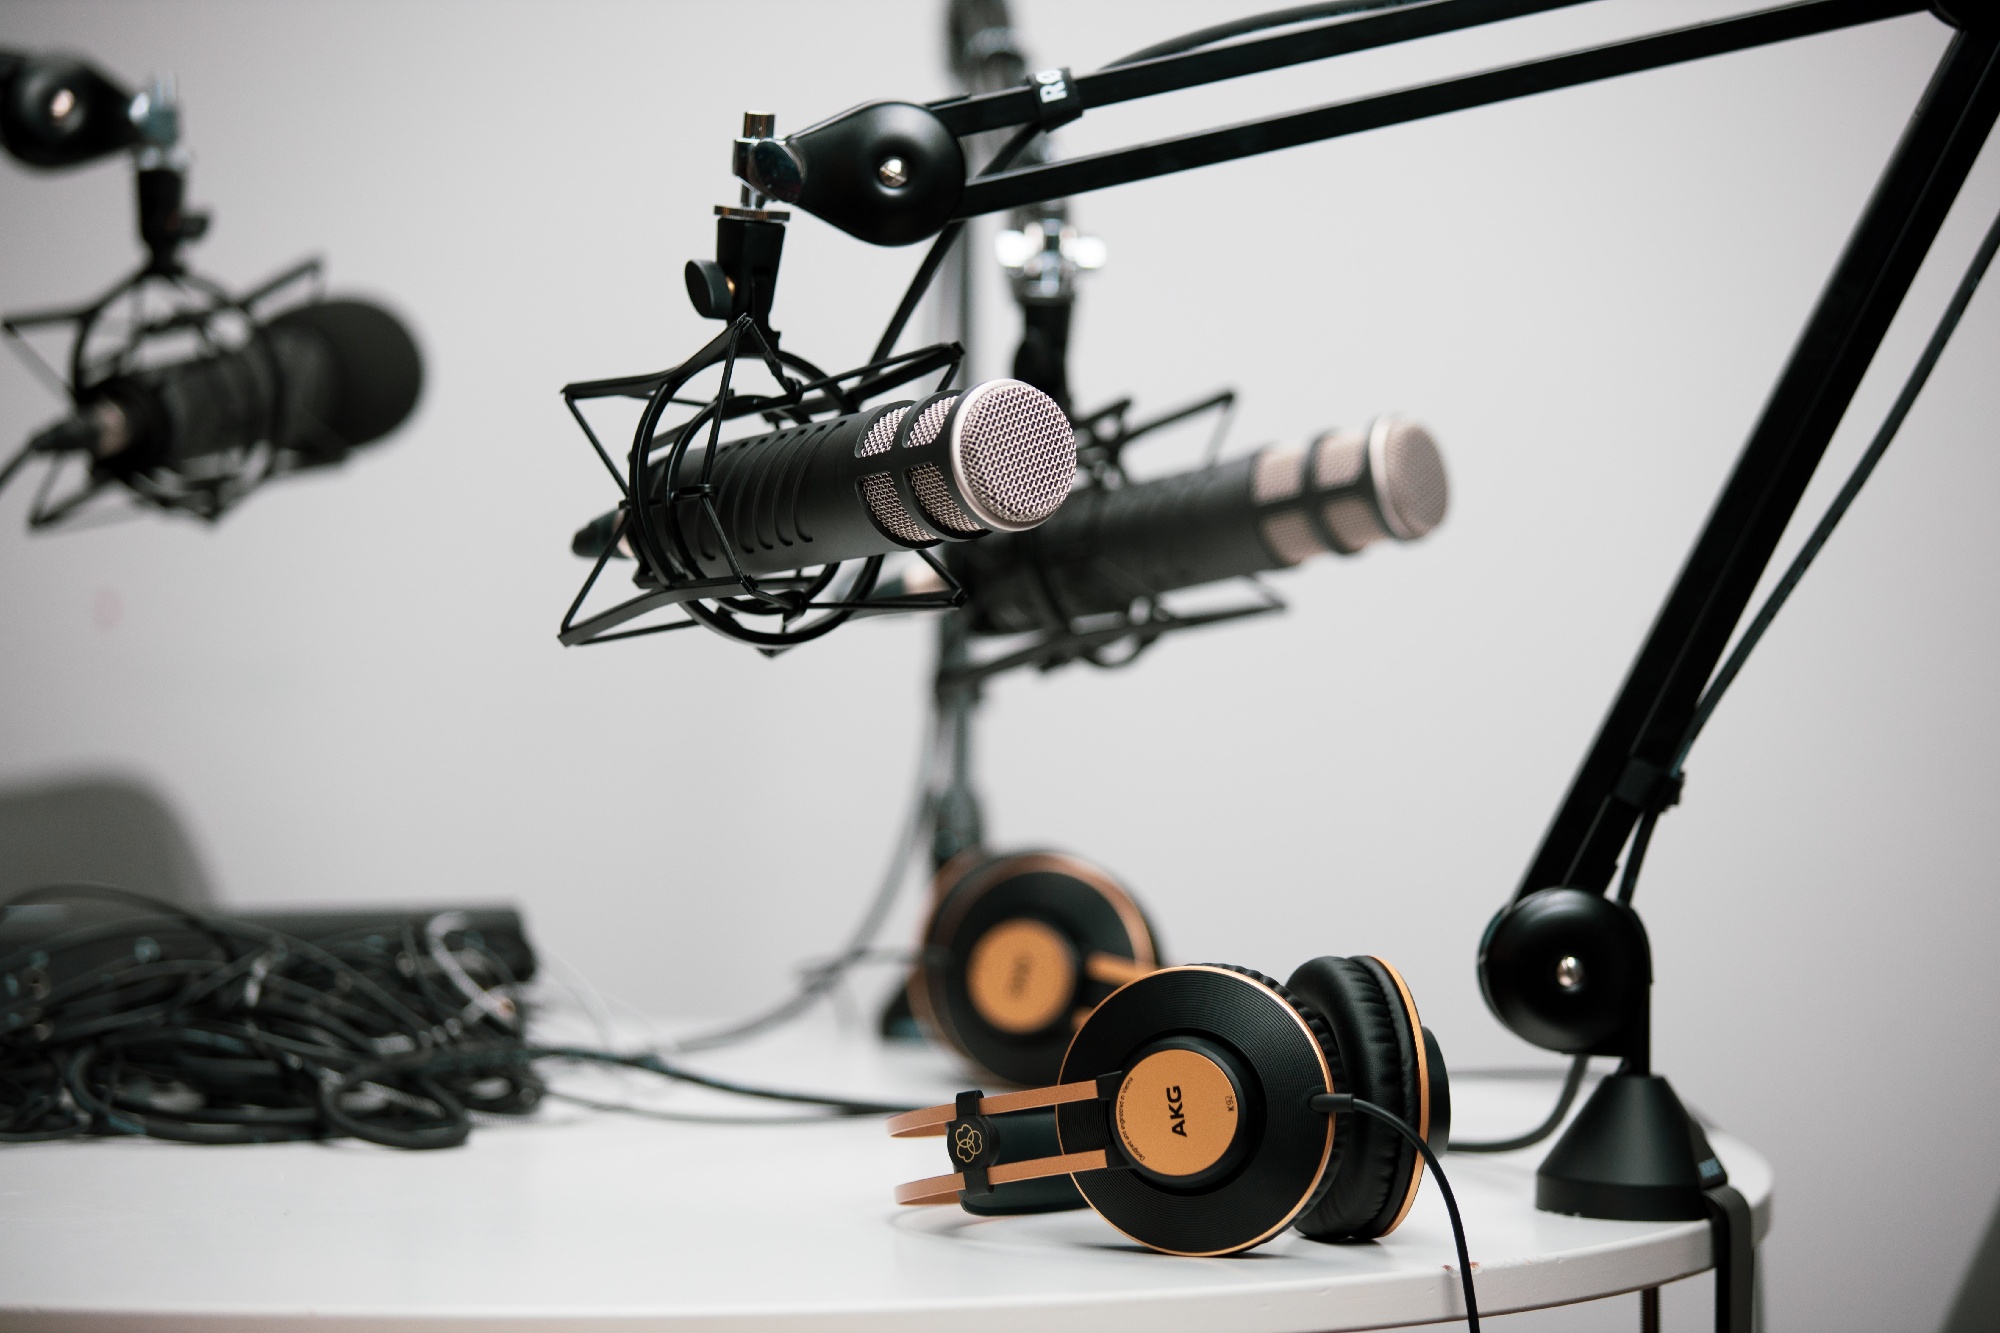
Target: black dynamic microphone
(1270, 510)
(60, 112)
(996, 458)
(313, 383)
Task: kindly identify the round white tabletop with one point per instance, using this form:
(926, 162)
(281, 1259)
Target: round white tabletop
(583, 1218)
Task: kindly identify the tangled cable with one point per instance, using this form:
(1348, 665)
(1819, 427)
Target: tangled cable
(134, 1016)
(148, 1019)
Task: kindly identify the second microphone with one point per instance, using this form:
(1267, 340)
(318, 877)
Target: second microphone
(1270, 510)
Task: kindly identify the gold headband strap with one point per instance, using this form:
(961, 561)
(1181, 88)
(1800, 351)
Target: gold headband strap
(933, 1119)
(1112, 970)
(945, 1189)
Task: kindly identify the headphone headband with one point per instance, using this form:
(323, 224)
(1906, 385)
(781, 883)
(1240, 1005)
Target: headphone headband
(932, 1120)
(946, 1189)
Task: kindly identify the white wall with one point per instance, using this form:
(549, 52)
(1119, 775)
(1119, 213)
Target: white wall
(352, 688)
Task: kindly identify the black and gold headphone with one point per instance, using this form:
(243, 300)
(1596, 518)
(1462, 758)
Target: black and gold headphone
(1203, 1109)
(1017, 951)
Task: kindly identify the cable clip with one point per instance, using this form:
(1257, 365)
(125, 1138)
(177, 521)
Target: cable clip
(973, 1141)
(1058, 100)
(1647, 787)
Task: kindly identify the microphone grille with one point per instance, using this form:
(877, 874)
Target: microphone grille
(1410, 480)
(1278, 474)
(886, 507)
(878, 492)
(1015, 454)
(882, 433)
(927, 479)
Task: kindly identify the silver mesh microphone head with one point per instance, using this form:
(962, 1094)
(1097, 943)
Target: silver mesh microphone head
(878, 492)
(1013, 453)
(1408, 472)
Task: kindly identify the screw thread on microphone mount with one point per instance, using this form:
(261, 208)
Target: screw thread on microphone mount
(742, 279)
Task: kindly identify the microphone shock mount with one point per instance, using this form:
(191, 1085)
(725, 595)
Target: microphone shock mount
(657, 479)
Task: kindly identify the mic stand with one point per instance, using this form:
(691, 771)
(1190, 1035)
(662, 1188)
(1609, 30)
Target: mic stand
(956, 823)
(957, 826)
(1623, 774)
(1626, 773)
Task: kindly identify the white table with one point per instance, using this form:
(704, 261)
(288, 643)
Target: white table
(586, 1219)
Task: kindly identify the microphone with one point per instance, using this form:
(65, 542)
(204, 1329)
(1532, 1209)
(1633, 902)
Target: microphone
(314, 383)
(1108, 547)
(994, 459)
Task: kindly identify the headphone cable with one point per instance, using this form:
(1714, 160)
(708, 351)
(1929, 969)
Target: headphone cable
(1572, 1083)
(1333, 1103)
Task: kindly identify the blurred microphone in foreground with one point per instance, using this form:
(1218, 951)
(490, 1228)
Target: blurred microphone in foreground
(316, 382)
(183, 393)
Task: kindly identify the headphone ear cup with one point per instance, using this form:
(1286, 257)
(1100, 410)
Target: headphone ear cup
(1245, 1058)
(1313, 1019)
(1372, 1179)
(926, 988)
(1010, 953)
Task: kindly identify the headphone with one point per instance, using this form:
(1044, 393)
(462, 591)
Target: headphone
(1203, 1109)
(1017, 951)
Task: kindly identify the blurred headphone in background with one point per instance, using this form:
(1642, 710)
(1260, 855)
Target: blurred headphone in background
(1015, 954)
(1203, 1109)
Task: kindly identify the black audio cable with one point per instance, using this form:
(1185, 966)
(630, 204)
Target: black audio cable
(1572, 1084)
(1336, 1103)
(820, 980)
(1732, 666)
(1243, 27)
(653, 1064)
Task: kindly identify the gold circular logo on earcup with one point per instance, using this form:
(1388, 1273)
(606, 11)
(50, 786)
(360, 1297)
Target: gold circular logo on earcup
(968, 1143)
(1021, 975)
(1177, 1113)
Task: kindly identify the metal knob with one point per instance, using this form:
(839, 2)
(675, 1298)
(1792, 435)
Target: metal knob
(1569, 973)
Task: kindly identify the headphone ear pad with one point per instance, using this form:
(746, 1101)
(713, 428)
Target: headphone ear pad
(1368, 1181)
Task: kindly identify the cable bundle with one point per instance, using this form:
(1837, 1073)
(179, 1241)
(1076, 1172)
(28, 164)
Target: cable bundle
(146, 1019)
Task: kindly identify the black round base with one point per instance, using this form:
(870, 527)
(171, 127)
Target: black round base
(1632, 1154)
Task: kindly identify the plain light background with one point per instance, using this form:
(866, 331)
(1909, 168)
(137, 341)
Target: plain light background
(351, 688)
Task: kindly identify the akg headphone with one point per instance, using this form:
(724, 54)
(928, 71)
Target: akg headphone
(1017, 951)
(1203, 1109)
